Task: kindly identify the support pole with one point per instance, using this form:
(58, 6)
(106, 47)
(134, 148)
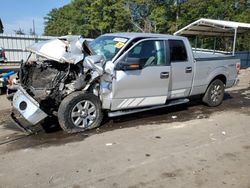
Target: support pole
(214, 44)
(196, 42)
(235, 38)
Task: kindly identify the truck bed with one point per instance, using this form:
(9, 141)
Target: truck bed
(210, 64)
(204, 53)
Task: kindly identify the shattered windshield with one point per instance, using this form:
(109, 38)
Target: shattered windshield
(108, 46)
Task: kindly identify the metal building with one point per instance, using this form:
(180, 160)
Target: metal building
(15, 45)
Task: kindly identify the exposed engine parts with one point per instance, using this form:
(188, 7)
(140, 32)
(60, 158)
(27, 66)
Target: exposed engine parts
(48, 82)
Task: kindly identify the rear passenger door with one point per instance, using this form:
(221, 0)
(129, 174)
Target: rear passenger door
(181, 69)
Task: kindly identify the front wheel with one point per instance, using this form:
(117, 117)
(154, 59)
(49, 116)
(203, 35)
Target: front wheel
(79, 112)
(214, 94)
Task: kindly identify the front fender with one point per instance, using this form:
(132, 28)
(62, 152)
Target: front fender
(94, 77)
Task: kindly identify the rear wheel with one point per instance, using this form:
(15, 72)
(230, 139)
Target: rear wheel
(79, 112)
(214, 94)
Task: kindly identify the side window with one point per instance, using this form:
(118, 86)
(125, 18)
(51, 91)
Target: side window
(135, 52)
(148, 53)
(177, 51)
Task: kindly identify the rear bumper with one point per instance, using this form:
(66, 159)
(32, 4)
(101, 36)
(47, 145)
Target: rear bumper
(26, 108)
(236, 82)
(231, 83)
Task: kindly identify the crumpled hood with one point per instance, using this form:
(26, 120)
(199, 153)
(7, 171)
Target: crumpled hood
(66, 49)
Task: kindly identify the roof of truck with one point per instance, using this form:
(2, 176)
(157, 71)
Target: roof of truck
(132, 35)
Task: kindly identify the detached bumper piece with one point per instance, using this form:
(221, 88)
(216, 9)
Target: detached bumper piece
(27, 109)
(15, 120)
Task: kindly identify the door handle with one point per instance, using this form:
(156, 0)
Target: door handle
(164, 75)
(188, 69)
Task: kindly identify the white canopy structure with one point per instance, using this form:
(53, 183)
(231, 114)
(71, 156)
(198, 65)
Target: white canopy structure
(216, 28)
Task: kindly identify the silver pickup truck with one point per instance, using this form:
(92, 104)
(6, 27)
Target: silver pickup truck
(78, 80)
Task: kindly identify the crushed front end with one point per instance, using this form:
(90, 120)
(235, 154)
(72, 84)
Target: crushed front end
(43, 82)
(40, 88)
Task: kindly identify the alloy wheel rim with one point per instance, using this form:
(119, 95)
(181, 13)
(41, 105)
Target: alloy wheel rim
(216, 93)
(83, 114)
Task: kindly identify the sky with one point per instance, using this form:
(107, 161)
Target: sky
(17, 14)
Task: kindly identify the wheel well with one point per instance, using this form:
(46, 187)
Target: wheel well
(220, 77)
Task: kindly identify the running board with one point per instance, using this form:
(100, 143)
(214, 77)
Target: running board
(126, 112)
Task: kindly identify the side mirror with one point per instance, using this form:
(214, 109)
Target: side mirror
(129, 64)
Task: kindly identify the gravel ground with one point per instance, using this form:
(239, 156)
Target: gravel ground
(184, 146)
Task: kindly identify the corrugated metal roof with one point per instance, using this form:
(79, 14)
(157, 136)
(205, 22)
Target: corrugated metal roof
(210, 27)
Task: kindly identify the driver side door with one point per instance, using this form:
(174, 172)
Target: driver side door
(142, 75)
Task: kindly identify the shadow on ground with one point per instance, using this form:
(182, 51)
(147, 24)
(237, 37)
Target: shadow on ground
(234, 100)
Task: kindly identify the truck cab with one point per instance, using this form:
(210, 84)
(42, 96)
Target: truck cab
(152, 71)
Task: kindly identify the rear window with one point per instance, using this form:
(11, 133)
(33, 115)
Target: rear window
(177, 51)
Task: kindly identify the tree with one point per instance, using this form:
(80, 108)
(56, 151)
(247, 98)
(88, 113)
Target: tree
(151, 15)
(59, 21)
(88, 18)
(1, 26)
(91, 18)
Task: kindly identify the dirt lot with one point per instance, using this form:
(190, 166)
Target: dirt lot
(184, 146)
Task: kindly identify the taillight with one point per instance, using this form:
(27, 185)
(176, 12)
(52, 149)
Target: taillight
(237, 67)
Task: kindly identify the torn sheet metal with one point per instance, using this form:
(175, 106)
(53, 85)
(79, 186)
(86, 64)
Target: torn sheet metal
(66, 49)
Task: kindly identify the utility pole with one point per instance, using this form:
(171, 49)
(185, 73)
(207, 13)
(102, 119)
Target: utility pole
(34, 31)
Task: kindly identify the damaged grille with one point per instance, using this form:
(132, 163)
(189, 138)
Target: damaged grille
(42, 81)
(42, 77)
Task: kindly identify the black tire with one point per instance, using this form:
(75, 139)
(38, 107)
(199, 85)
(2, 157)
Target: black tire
(70, 114)
(214, 94)
(50, 124)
